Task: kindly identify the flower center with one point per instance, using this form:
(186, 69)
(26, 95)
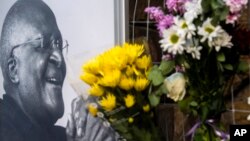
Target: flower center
(184, 25)
(174, 38)
(209, 29)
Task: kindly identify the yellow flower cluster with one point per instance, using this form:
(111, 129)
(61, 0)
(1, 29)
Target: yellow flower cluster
(124, 67)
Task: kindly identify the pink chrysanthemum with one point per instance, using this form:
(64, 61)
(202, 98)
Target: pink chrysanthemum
(176, 5)
(232, 18)
(165, 23)
(235, 5)
(155, 13)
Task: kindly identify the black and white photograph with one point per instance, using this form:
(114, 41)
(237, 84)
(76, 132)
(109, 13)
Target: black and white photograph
(47, 41)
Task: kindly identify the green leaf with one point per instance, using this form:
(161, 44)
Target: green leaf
(154, 100)
(141, 134)
(221, 57)
(194, 103)
(157, 92)
(224, 12)
(204, 113)
(228, 66)
(220, 67)
(166, 67)
(243, 66)
(205, 5)
(121, 127)
(214, 4)
(163, 89)
(156, 76)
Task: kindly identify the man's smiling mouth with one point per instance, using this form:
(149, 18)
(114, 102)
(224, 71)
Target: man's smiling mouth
(54, 80)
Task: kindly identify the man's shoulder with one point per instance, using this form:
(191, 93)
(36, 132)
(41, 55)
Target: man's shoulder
(8, 131)
(58, 133)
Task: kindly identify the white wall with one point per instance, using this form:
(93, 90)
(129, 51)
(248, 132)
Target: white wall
(88, 25)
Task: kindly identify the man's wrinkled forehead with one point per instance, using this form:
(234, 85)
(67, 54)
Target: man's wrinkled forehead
(30, 19)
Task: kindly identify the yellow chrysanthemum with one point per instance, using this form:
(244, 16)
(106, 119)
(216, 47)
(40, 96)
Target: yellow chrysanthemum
(96, 90)
(129, 71)
(118, 57)
(92, 66)
(89, 78)
(141, 83)
(92, 108)
(129, 100)
(126, 83)
(111, 78)
(143, 62)
(137, 72)
(108, 103)
(133, 51)
(114, 58)
(146, 108)
(130, 120)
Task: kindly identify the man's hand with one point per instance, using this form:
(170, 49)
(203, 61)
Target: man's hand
(82, 126)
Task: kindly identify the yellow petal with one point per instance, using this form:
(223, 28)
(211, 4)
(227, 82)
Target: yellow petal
(146, 108)
(141, 83)
(111, 78)
(108, 102)
(96, 90)
(129, 100)
(89, 78)
(130, 120)
(144, 62)
(126, 83)
(92, 108)
(92, 66)
(133, 51)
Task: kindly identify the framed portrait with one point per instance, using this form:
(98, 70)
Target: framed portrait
(90, 27)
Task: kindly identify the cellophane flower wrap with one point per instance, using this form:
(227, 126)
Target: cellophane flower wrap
(119, 86)
(198, 60)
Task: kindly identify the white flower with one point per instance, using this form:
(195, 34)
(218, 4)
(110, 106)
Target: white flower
(193, 9)
(172, 41)
(176, 86)
(248, 100)
(184, 27)
(208, 31)
(194, 51)
(222, 40)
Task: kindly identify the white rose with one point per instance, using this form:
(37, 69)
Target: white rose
(175, 85)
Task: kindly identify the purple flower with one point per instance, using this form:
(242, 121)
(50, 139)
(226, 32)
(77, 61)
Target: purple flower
(165, 23)
(155, 13)
(176, 5)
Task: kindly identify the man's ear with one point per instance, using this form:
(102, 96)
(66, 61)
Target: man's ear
(12, 70)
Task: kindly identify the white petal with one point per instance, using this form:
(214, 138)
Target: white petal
(217, 48)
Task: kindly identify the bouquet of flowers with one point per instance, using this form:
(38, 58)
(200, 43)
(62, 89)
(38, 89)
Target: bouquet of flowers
(198, 60)
(119, 86)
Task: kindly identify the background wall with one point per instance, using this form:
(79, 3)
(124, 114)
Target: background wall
(88, 25)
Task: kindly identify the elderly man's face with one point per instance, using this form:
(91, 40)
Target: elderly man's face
(41, 70)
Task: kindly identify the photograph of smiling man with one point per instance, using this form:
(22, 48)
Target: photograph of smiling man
(34, 70)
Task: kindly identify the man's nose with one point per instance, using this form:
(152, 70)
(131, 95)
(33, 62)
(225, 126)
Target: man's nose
(56, 57)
